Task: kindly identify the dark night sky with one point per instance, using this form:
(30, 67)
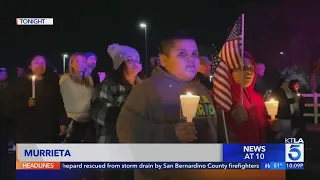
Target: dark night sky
(93, 26)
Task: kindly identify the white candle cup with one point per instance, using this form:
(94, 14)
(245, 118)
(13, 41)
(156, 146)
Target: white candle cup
(33, 86)
(189, 105)
(272, 108)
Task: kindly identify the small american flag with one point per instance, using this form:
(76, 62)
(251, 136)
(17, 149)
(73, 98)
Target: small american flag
(231, 51)
(221, 86)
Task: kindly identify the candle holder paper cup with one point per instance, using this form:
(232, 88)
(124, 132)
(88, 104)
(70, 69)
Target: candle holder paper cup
(272, 108)
(189, 105)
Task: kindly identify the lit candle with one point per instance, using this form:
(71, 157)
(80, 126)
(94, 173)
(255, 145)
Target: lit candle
(272, 108)
(33, 86)
(189, 105)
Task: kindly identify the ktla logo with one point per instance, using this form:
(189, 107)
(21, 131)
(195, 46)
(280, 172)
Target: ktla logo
(294, 152)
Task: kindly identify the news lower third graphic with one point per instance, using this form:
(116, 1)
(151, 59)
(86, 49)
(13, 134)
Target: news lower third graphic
(34, 21)
(288, 156)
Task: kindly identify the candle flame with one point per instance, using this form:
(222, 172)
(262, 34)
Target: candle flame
(272, 100)
(298, 94)
(33, 77)
(189, 94)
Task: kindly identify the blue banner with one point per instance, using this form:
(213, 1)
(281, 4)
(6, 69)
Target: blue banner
(254, 153)
(282, 165)
(273, 165)
(47, 174)
(295, 166)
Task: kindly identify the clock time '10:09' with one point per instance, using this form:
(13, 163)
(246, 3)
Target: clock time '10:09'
(295, 165)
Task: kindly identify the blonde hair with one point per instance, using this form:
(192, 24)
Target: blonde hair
(82, 79)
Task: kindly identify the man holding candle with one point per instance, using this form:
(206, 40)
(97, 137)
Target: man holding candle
(152, 112)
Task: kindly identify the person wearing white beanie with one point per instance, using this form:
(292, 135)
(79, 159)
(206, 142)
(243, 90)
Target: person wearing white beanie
(112, 94)
(120, 53)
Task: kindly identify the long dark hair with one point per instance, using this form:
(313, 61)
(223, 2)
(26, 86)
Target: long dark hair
(117, 75)
(48, 74)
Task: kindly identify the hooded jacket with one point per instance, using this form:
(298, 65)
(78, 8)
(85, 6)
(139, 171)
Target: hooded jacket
(254, 129)
(152, 110)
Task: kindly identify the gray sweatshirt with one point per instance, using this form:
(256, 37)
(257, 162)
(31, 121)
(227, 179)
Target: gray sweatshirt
(153, 108)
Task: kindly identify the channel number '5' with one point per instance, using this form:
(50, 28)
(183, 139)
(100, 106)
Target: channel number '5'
(294, 152)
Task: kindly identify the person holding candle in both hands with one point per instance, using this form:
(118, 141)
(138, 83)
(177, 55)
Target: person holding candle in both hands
(36, 104)
(152, 111)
